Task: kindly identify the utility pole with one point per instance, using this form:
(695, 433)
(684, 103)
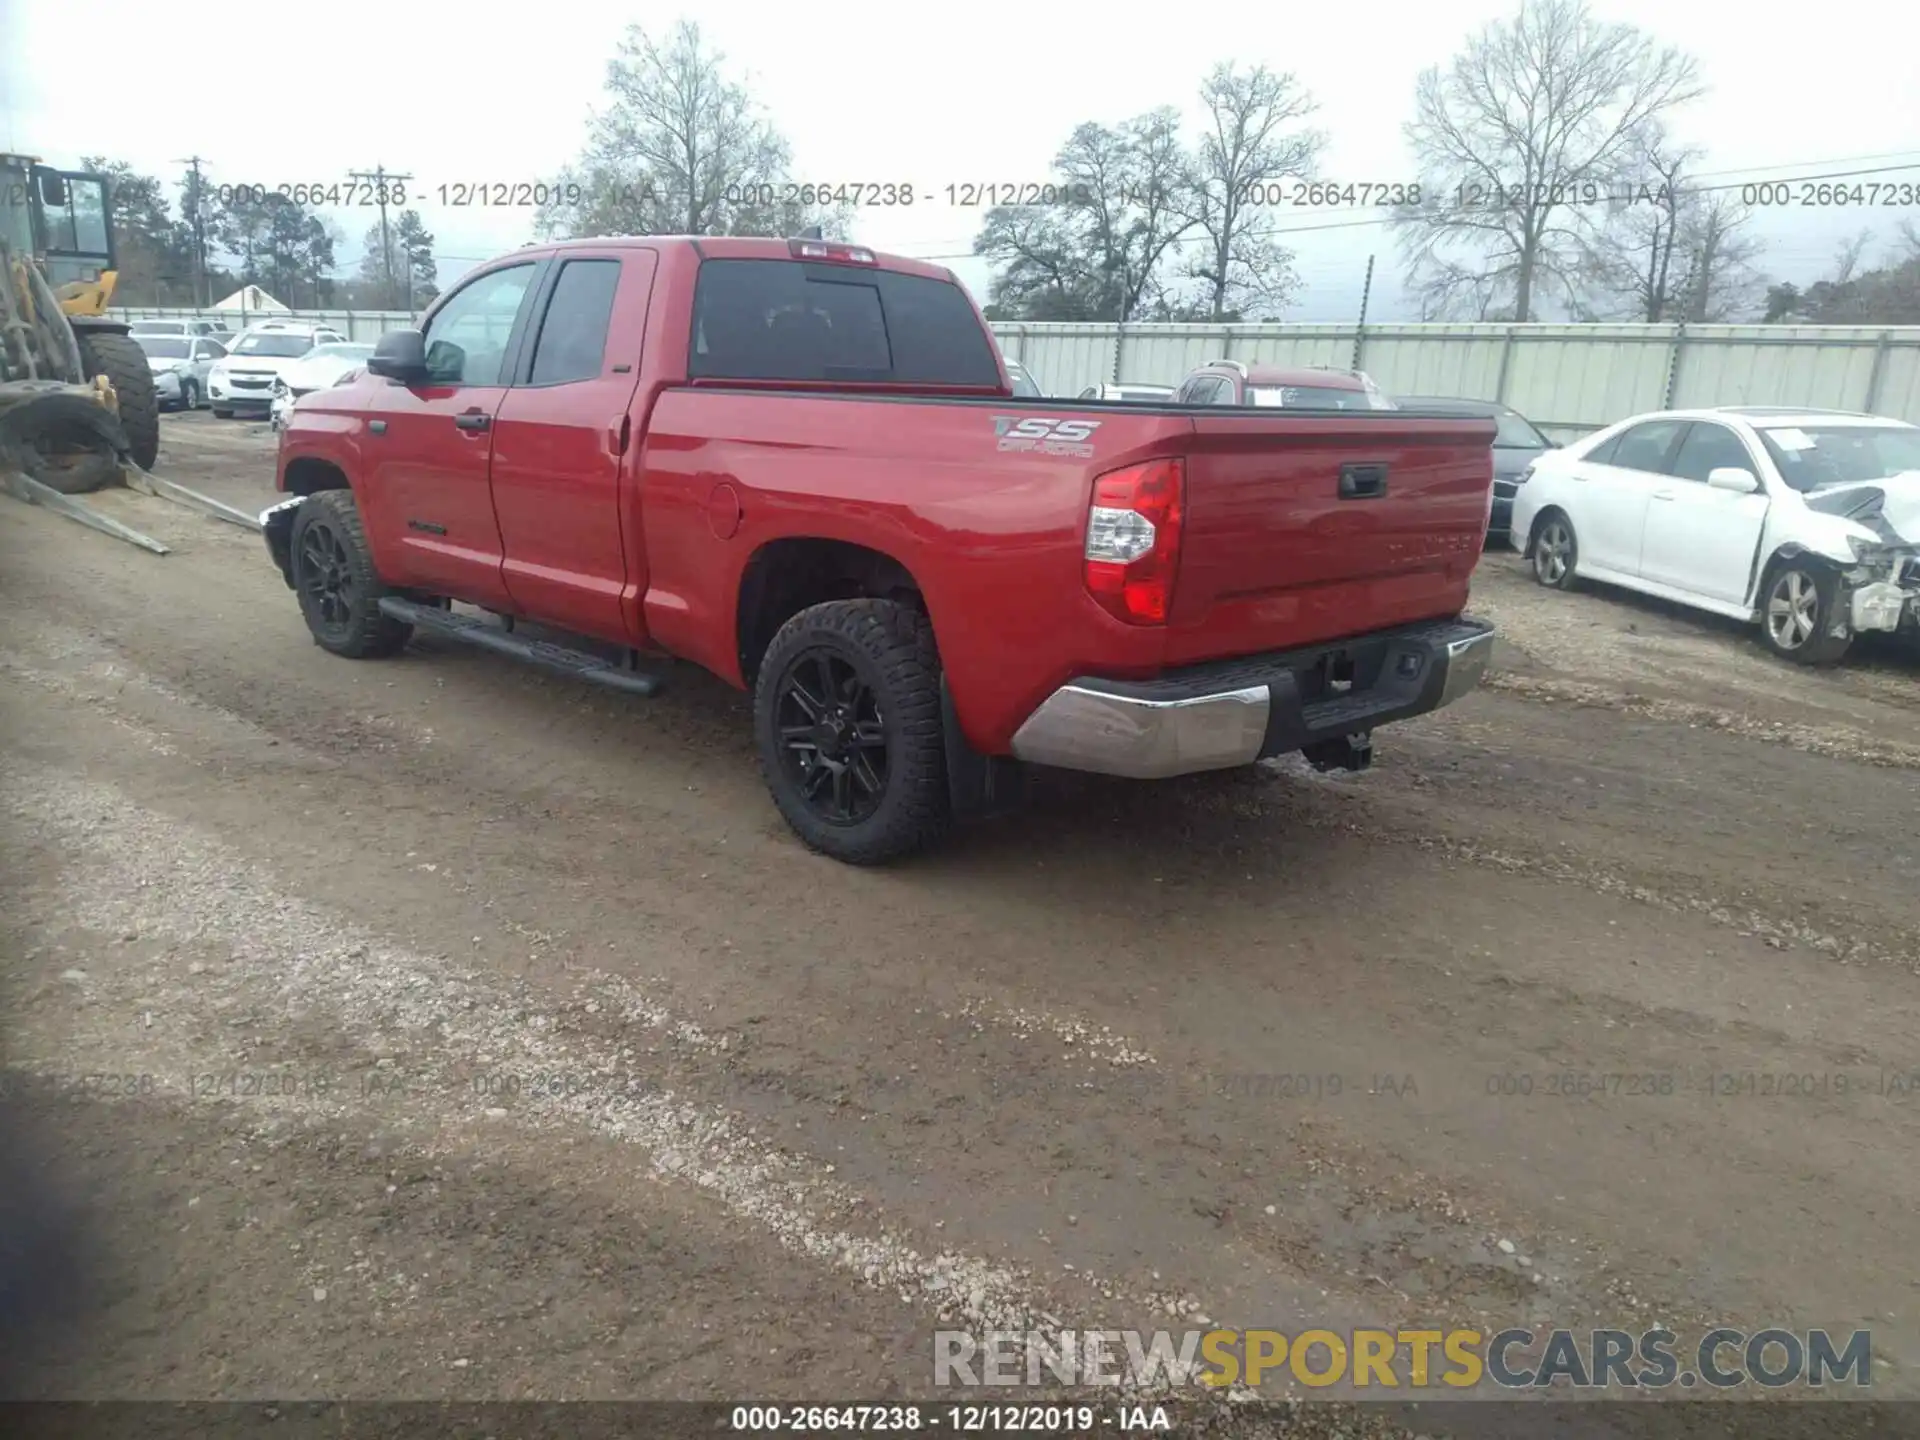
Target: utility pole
(197, 219)
(1360, 329)
(381, 179)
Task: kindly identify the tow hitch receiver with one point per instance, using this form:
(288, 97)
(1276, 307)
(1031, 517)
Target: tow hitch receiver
(1350, 752)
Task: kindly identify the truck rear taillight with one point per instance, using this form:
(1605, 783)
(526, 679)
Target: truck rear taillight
(1133, 539)
(827, 250)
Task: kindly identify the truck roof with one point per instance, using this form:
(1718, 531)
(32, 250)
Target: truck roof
(744, 247)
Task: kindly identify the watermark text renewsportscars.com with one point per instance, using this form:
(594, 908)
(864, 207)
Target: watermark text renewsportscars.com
(1393, 1359)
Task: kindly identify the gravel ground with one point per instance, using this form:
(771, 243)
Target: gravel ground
(476, 1035)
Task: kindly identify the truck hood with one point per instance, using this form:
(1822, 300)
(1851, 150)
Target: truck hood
(1889, 507)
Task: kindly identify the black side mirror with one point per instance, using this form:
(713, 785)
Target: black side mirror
(400, 355)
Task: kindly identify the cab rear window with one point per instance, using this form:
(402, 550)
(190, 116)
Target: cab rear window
(789, 320)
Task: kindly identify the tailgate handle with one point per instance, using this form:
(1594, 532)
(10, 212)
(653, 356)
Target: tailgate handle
(1363, 482)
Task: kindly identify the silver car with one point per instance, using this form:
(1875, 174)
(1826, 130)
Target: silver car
(180, 366)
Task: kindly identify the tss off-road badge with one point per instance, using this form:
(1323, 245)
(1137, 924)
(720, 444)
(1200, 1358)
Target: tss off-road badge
(1046, 437)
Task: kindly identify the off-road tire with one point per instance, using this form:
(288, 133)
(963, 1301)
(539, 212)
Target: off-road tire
(1779, 590)
(1553, 552)
(890, 648)
(338, 587)
(124, 363)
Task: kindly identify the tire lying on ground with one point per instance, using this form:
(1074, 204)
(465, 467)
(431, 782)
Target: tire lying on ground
(124, 363)
(67, 442)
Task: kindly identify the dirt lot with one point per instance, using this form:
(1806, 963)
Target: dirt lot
(478, 1034)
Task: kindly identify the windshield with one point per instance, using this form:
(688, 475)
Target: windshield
(1517, 433)
(162, 347)
(1311, 397)
(275, 346)
(1809, 457)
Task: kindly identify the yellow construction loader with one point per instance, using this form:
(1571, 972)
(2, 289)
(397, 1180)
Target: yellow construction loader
(78, 410)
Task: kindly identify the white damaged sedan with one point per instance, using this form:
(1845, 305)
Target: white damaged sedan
(320, 368)
(1804, 522)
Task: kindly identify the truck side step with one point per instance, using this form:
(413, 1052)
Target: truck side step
(558, 658)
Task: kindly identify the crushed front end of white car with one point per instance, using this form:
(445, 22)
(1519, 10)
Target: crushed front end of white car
(1871, 531)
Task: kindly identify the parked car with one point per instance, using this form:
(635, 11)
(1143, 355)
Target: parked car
(1516, 445)
(319, 369)
(177, 327)
(1135, 393)
(793, 463)
(1024, 385)
(1310, 387)
(243, 382)
(181, 365)
(1805, 522)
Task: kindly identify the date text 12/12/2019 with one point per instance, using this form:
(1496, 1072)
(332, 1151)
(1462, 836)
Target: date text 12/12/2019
(899, 194)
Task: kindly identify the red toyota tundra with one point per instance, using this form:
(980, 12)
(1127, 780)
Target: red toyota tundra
(799, 465)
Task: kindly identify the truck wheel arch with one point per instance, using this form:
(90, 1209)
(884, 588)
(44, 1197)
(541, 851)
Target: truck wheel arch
(305, 476)
(309, 475)
(787, 575)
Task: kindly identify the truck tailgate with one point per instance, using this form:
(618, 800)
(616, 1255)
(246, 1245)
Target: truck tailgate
(1308, 527)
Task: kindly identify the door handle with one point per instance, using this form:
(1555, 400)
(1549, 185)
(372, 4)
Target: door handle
(473, 420)
(1662, 495)
(1363, 482)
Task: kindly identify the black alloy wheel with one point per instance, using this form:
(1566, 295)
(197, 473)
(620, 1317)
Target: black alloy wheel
(832, 737)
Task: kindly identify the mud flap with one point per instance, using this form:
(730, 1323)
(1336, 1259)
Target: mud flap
(979, 786)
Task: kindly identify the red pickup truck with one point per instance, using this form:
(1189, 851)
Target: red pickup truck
(799, 465)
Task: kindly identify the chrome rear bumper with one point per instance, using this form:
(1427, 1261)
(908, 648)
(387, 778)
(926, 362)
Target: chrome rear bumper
(1229, 713)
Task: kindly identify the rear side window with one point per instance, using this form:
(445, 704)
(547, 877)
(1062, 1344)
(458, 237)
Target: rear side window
(573, 337)
(1645, 447)
(787, 320)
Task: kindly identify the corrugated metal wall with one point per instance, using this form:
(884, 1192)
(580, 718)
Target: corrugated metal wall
(362, 325)
(1568, 378)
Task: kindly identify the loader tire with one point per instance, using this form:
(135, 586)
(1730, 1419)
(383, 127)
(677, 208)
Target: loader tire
(86, 474)
(65, 440)
(124, 363)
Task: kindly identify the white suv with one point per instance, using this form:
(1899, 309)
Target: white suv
(1805, 522)
(243, 382)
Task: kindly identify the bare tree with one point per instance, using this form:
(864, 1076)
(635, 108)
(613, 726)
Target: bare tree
(1520, 140)
(1253, 140)
(680, 149)
(1722, 279)
(1099, 256)
(1847, 258)
(1888, 294)
(1675, 250)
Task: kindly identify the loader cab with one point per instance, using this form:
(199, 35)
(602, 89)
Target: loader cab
(61, 218)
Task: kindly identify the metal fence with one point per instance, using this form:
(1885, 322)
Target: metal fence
(1568, 379)
(362, 325)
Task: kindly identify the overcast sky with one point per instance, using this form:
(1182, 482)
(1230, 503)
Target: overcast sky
(931, 95)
